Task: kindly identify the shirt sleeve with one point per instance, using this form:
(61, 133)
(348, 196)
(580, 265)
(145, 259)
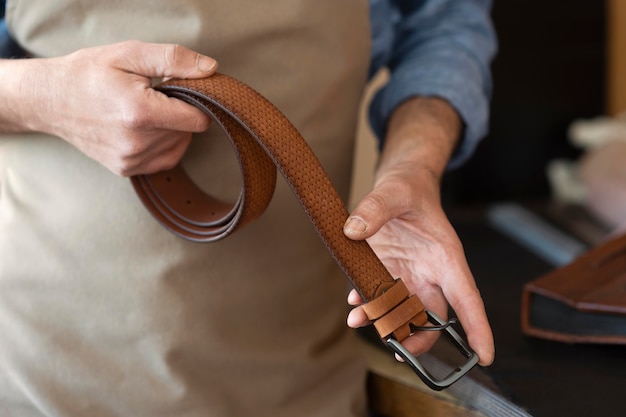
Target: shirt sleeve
(434, 48)
(8, 47)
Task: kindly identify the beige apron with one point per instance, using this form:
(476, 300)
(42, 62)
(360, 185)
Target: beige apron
(104, 313)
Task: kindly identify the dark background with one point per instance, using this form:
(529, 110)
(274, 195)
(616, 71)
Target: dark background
(549, 71)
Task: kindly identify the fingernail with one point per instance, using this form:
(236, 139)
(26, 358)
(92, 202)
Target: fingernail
(355, 226)
(205, 63)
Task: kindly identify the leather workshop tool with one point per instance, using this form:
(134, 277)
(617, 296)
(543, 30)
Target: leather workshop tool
(264, 141)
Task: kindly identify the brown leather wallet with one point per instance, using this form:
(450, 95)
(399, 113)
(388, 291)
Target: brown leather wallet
(264, 141)
(582, 302)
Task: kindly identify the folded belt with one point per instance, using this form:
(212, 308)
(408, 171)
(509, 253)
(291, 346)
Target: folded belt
(264, 141)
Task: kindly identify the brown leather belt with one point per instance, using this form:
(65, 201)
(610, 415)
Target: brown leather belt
(264, 140)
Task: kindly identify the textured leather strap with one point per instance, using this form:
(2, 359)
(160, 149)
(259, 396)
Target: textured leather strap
(264, 140)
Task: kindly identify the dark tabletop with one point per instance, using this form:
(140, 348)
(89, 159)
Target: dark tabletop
(546, 378)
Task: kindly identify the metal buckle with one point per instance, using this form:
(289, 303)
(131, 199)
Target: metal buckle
(425, 376)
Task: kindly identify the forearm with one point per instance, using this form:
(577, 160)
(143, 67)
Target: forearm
(449, 60)
(422, 134)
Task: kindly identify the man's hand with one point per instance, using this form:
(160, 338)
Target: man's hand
(404, 222)
(101, 101)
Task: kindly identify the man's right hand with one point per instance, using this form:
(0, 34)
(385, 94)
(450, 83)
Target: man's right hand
(101, 101)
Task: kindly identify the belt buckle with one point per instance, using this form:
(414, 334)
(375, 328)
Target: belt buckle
(421, 371)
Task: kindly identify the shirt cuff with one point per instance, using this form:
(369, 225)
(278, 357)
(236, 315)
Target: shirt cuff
(469, 99)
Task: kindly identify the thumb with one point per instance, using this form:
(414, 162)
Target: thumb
(370, 214)
(166, 61)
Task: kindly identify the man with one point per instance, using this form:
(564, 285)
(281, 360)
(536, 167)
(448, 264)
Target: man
(118, 317)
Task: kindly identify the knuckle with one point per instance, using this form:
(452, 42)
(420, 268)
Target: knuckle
(171, 54)
(119, 169)
(201, 123)
(398, 194)
(125, 48)
(128, 150)
(127, 164)
(133, 118)
(374, 203)
(126, 45)
(125, 173)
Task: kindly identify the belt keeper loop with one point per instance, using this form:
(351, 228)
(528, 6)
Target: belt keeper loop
(388, 296)
(400, 317)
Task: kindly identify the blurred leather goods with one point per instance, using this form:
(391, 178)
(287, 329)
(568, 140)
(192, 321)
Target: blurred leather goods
(581, 302)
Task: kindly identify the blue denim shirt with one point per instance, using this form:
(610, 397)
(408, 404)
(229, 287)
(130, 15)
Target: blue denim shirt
(440, 48)
(8, 48)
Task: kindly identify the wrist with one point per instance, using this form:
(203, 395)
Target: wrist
(20, 84)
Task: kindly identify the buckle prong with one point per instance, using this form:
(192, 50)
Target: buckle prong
(434, 328)
(439, 325)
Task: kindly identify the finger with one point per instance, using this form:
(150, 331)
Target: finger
(164, 160)
(163, 112)
(372, 212)
(423, 341)
(165, 60)
(474, 320)
(354, 299)
(357, 318)
(468, 305)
